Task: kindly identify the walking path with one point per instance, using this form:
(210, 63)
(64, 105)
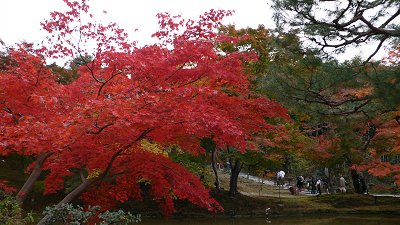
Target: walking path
(304, 192)
(257, 179)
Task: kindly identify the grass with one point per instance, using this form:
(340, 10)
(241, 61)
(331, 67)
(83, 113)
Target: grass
(251, 188)
(252, 201)
(254, 198)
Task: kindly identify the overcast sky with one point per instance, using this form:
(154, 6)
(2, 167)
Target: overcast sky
(20, 19)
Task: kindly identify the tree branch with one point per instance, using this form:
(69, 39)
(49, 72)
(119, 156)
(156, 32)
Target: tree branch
(351, 24)
(83, 179)
(105, 82)
(100, 129)
(117, 153)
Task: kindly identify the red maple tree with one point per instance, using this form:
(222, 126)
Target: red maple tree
(32, 106)
(172, 93)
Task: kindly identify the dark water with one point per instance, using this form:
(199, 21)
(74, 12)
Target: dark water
(326, 220)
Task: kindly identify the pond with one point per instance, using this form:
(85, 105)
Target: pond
(324, 220)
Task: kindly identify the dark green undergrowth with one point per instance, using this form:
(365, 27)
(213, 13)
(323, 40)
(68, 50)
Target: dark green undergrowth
(240, 205)
(246, 206)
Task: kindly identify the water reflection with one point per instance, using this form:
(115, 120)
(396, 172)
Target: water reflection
(331, 220)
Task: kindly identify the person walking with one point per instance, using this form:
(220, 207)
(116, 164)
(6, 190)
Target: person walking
(313, 184)
(342, 184)
(280, 176)
(299, 183)
(319, 184)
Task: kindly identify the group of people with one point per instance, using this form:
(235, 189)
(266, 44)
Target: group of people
(315, 185)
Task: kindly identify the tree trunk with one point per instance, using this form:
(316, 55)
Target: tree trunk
(329, 181)
(366, 181)
(33, 177)
(356, 181)
(235, 170)
(87, 182)
(71, 196)
(214, 168)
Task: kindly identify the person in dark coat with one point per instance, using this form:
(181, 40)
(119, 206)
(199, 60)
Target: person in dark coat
(313, 184)
(299, 183)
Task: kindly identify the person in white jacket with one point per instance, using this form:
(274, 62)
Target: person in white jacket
(280, 175)
(342, 184)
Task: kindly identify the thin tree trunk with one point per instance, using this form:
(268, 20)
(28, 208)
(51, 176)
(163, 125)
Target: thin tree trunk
(77, 191)
(71, 196)
(356, 181)
(87, 182)
(366, 181)
(330, 186)
(214, 168)
(355, 178)
(235, 170)
(33, 177)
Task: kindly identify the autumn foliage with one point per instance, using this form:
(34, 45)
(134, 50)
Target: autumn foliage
(6, 188)
(173, 94)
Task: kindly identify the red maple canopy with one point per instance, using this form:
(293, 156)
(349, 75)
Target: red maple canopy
(173, 93)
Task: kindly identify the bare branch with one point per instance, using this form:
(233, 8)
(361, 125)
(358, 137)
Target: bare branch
(108, 80)
(121, 150)
(390, 19)
(100, 129)
(351, 24)
(377, 48)
(83, 178)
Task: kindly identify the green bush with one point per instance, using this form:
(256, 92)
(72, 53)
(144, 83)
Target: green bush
(11, 213)
(69, 214)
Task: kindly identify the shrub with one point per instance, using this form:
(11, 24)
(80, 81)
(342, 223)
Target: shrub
(11, 212)
(76, 215)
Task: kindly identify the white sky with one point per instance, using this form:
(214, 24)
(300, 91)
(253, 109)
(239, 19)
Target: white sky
(20, 19)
